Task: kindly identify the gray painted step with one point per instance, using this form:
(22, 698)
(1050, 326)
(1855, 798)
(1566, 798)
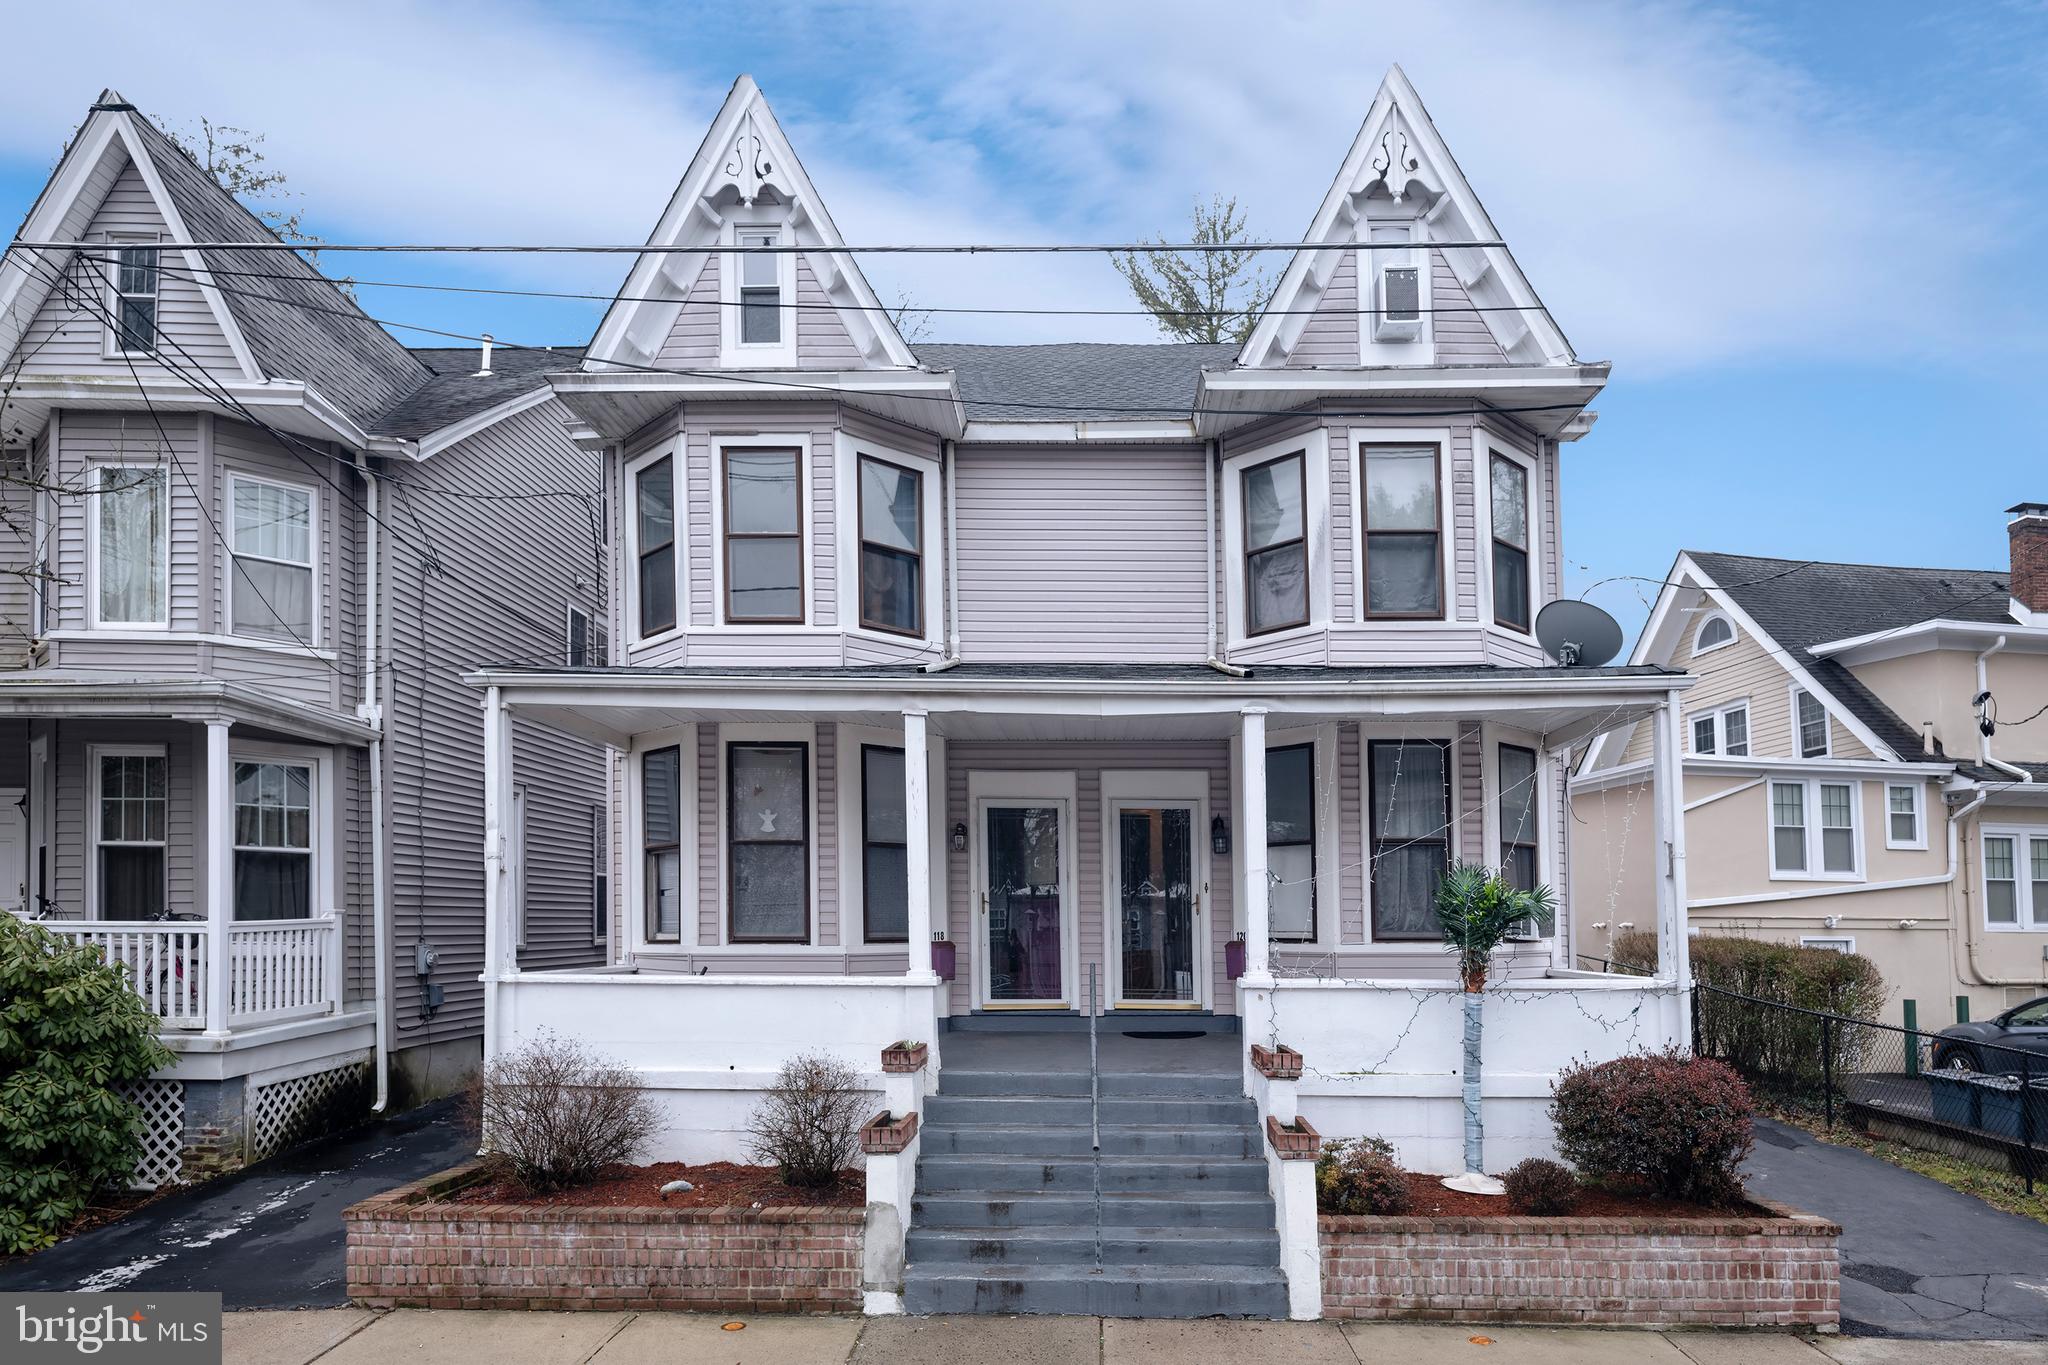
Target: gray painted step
(1200, 1139)
(1115, 1084)
(1078, 1246)
(1191, 1176)
(1022, 1111)
(1146, 1291)
(1040, 1208)
(1073, 1021)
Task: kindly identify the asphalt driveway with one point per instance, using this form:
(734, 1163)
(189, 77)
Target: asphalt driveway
(266, 1237)
(1918, 1258)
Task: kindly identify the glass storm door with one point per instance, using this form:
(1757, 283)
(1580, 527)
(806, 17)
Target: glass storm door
(1156, 905)
(1024, 903)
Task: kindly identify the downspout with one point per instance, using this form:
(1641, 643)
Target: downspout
(1214, 627)
(371, 710)
(1968, 916)
(1983, 732)
(950, 622)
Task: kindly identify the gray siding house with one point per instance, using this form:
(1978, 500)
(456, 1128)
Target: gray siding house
(250, 543)
(974, 695)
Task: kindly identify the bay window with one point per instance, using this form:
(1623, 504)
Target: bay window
(891, 548)
(2015, 879)
(763, 537)
(270, 594)
(768, 849)
(1403, 533)
(884, 847)
(129, 831)
(273, 841)
(654, 498)
(1515, 815)
(1291, 842)
(661, 838)
(1815, 829)
(1276, 588)
(131, 523)
(1510, 506)
(1409, 784)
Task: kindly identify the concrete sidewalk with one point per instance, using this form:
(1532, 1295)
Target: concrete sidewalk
(348, 1336)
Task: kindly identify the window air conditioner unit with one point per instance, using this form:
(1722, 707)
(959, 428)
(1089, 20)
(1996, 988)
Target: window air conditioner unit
(1525, 930)
(1398, 315)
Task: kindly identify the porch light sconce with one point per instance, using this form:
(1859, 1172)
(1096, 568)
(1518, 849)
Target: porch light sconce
(1219, 836)
(959, 836)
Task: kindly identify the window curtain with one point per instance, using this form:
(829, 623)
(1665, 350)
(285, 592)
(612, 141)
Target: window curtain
(130, 503)
(1410, 815)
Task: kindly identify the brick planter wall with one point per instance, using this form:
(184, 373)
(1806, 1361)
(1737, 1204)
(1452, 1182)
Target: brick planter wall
(407, 1251)
(1781, 1272)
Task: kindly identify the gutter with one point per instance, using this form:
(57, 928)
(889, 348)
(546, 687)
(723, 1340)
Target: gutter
(371, 710)
(1984, 733)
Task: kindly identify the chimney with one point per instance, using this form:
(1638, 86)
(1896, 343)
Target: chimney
(2028, 531)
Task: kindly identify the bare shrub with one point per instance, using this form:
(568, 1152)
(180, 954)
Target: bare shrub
(1359, 1175)
(809, 1125)
(552, 1114)
(1543, 1188)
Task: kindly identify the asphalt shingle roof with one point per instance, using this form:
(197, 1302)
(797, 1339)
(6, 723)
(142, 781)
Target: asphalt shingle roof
(454, 390)
(1801, 603)
(1077, 381)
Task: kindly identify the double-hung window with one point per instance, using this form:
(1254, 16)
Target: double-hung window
(1516, 815)
(136, 281)
(760, 287)
(661, 837)
(130, 831)
(1814, 829)
(273, 841)
(2015, 879)
(891, 548)
(1810, 724)
(1403, 533)
(271, 594)
(768, 845)
(654, 497)
(1724, 731)
(1409, 784)
(764, 540)
(600, 876)
(1511, 590)
(1291, 842)
(131, 523)
(884, 847)
(1902, 827)
(1276, 594)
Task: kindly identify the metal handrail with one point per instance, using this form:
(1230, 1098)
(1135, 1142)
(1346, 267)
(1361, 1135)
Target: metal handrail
(1094, 1072)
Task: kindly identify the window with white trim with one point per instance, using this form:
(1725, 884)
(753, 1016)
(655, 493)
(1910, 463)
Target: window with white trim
(1404, 569)
(600, 876)
(1276, 588)
(768, 842)
(1809, 724)
(273, 841)
(1723, 732)
(2015, 879)
(1408, 826)
(661, 839)
(764, 536)
(131, 525)
(1515, 815)
(1512, 590)
(1715, 631)
(134, 282)
(1903, 827)
(583, 647)
(654, 548)
(1291, 842)
(891, 515)
(270, 594)
(884, 846)
(1815, 830)
(1843, 945)
(760, 287)
(129, 833)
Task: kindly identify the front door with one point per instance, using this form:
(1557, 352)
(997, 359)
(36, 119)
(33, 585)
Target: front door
(1156, 895)
(1025, 899)
(13, 851)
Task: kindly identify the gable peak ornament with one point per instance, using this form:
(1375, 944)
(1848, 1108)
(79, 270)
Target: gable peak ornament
(1393, 163)
(749, 165)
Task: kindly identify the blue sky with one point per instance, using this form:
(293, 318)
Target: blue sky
(1809, 237)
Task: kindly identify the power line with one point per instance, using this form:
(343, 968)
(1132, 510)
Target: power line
(793, 249)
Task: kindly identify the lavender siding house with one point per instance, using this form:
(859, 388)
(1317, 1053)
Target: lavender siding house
(976, 696)
(236, 753)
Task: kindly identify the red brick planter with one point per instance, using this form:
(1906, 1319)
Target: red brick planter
(407, 1251)
(1781, 1271)
(883, 1136)
(1280, 1063)
(902, 1061)
(1298, 1141)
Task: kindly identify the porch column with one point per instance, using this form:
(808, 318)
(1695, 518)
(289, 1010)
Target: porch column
(1257, 898)
(497, 763)
(1667, 784)
(917, 845)
(217, 799)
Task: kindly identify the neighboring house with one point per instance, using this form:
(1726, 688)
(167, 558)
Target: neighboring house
(979, 688)
(253, 542)
(1840, 788)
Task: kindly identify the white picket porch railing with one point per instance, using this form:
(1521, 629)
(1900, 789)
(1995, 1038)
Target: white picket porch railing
(282, 969)
(278, 969)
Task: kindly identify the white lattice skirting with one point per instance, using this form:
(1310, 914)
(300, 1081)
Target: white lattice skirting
(288, 1111)
(163, 1132)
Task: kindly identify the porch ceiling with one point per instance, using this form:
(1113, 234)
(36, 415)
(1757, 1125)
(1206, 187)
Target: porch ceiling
(62, 693)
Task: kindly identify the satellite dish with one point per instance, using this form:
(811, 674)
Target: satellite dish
(1577, 634)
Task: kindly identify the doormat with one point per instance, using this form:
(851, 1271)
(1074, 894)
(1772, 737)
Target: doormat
(1165, 1033)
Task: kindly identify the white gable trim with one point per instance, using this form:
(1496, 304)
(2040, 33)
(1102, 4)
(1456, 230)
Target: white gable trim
(745, 149)
(1416, 155)
(434, 442)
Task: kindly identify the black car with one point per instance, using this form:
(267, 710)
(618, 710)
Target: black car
(1997, 1045)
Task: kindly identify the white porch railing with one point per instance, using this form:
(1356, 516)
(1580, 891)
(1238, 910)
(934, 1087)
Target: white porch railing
(283, 969)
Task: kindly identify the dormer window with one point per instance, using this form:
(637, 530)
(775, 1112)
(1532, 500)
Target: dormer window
(757, 294)
(760, 289)
(135, 284)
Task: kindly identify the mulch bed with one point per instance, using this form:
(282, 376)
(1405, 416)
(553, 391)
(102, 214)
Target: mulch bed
(718, 1185)
(1432, 1200)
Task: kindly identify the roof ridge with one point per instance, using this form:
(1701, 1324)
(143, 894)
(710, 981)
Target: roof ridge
(1845, 563)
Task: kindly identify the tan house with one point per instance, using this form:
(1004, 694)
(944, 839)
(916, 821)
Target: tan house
(1866, 768)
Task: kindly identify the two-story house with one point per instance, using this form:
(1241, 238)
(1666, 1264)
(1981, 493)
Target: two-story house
(976, 696)
(1867, 755)
(251, 543)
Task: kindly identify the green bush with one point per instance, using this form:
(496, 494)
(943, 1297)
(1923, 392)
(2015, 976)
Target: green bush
(1359, 1175)
(70, 1031)
(1540, 1188)
(1677, 1127)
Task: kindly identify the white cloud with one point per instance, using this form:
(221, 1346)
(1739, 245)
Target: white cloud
(1679, 197)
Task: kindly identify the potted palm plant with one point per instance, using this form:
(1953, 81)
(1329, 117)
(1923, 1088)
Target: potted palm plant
(1477, 908)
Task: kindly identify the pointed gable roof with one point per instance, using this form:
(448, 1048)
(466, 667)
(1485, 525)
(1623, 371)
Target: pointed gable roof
(1399, 154)
(745, 152)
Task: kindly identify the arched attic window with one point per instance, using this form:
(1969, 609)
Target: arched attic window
(1715, 631)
